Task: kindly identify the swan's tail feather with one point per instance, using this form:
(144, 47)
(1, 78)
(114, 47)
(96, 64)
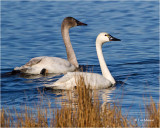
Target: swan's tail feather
(57, 87)
(52, 87)
(15, 71)
(20, 69)
(17, 68)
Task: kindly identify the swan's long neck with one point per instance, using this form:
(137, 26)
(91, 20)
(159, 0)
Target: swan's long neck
(105, 71)
(70, 52)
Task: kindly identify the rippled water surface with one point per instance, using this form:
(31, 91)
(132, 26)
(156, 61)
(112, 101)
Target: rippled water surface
(32, 29)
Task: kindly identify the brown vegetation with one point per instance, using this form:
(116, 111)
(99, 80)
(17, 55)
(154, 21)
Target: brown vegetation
(152, 114)
(84, 111)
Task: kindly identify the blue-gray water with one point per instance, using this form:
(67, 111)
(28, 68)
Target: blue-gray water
(32, 29)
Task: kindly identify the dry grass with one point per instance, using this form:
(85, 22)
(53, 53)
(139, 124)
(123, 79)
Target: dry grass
(87, 112)
(152, 114)
(83, 111)
(26, 119)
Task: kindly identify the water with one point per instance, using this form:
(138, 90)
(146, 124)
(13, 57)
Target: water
(32, 29)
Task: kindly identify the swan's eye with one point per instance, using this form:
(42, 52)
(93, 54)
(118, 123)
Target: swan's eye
(107, 35)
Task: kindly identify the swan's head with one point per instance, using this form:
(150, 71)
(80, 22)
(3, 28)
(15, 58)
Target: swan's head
(72, 22)
(105, 37)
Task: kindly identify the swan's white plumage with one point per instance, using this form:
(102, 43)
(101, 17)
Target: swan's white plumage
(94, 80)
(70, 80)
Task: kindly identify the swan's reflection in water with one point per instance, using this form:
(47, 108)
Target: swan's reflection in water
(31, 76)
(105, 97)
(69, 98)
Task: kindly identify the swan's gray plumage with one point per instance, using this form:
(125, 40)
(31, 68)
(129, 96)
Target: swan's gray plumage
(54, 64)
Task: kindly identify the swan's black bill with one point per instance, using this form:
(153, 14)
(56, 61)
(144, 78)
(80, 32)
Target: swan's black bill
(80, 23)
(111, 38)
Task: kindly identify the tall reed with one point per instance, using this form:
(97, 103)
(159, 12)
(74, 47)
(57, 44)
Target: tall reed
(152, 114)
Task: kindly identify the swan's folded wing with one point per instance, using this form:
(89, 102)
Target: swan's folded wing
(29, 64)
(34, 61)
(60, 62)
(64, 79)
(63, 83)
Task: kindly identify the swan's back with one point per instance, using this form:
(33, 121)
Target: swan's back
(51, 64)
(71, 79)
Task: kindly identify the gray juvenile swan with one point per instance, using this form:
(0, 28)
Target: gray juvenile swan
(96, 81)
(45, 64)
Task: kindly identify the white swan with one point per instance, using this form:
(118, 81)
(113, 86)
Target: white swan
(45, 64)
(95, 81)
